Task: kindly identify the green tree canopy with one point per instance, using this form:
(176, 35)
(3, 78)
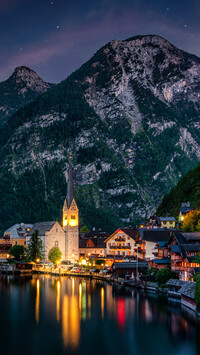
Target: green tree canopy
(17, 251)
(35, 247)
(191, 222)
(55, 255)
(84, 229)
(163, 275)
(197, 294)
(100, 262)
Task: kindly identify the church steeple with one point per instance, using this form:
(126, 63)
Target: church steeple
(70, 209)
(70, 187)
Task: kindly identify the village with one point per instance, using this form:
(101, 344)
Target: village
(158, 253)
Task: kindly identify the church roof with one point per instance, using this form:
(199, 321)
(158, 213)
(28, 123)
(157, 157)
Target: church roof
(42, 227)
(70, 187)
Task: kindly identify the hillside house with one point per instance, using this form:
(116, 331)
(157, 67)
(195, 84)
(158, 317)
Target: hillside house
(17, 233)
(183, 248)
(121, 243)
(92, 246)
(147, 241)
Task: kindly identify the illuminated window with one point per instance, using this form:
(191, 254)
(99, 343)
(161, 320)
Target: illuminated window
(73, 216)
(56, 243)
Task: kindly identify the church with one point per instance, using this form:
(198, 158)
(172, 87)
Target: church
(65, 237)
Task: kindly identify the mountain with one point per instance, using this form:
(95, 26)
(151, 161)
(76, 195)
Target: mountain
(22, 87)
(187, 189)
(129, 117)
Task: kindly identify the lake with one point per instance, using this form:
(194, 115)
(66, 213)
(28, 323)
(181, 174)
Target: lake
(51, 315)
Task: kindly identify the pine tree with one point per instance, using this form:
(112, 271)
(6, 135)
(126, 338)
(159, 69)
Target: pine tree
(35, 247)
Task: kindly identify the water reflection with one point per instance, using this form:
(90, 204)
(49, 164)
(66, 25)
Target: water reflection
(102, 302)
(58, 302)
(37, 301)
(79, 315)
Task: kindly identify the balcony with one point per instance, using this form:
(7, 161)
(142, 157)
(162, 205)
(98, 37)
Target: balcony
(119, 239)
(181, 268)
(120, 247)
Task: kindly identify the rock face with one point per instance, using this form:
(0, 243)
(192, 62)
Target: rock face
(130, 119)
(22, 87)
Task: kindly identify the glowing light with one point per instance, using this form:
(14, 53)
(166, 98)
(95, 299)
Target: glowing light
(73, 222)
(38, 260)
(64, 222)
(58, 262)
(182, 218)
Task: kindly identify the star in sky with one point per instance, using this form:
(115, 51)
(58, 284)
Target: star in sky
(87, 25)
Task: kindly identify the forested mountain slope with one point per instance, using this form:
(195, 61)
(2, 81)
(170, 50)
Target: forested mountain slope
(130, 119)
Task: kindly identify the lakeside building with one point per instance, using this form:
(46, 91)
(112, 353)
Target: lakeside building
(18, 233)
(121, 243)
(183, 248)
(92, 246)
(148, 239)
(135, 268)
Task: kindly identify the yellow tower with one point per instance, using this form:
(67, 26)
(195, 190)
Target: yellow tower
(71, 220)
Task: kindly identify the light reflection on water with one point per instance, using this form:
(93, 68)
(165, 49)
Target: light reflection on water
(75, 315)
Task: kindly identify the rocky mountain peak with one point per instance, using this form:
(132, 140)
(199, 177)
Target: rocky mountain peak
(29, 79)
(22, 87)
(130, 115)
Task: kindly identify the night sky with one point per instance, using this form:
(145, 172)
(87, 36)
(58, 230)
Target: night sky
(54, 37)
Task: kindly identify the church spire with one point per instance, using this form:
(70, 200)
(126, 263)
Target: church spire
(70, 187)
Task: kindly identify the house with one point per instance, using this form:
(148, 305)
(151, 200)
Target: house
(187, 296)
(159, 263)
(162, 259)
(174, 286)
(184, 209)
(92, 246)
(52, 235)
(167, 222)
(148, 239)
(17, 233)
(134, 268)
(5, 245)
(121, 243)
(183, 248)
